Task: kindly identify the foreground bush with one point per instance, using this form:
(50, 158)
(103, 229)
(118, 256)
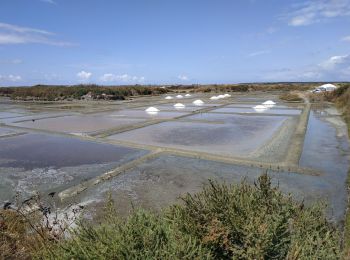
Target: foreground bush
(221, 222)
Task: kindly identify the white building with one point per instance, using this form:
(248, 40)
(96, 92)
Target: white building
(326, 88)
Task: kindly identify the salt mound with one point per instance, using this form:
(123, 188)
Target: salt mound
(179, 105)
(269, 102)
(214, 98)
(198, 102)
(221, 96)
(179, 96)
(259, 108)
(187, 95)
(152, 109)
(168, 97)
(227, 95)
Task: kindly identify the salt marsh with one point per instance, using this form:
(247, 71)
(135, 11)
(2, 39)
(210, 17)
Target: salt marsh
(81, 150)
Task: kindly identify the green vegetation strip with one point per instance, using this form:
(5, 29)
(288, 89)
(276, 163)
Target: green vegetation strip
(221, 222)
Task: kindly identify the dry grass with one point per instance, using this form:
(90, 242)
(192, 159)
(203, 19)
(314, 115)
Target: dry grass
(291, 97)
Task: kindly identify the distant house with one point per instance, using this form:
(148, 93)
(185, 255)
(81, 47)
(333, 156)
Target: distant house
(325, 88)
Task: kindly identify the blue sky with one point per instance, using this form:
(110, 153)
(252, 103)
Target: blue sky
(173, 41)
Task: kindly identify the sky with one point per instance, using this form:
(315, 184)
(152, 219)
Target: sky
(121, 42)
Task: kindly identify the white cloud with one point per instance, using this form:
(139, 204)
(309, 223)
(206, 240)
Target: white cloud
(346, 38)
(334, 61)
(316, 11)
(10, 78)
(109, 77)
(257, 53)
(19, 29)
(13, 34)
(183, 77)
(335, 68)
(83, 75)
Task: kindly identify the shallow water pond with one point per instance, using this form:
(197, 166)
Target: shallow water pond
(130, 113)
(159, 183)
(78, 123)
(238, 137)
(53, 162)
(277, 111)
(325, 151)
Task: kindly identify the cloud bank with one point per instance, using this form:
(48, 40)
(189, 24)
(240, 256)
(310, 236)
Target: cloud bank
(316, 11)
(10, 78)
(335, 68)
(110, 77)
(13, 34)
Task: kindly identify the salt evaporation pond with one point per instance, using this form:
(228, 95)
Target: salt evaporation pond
(250, 105)
(160, 182)
(141, 113)
(170, 109)
(250, 123)
(276, 111)
(79, 123)
(52, 163)
(5, 114)
(325, 151)
(227, 138)
(6, 131)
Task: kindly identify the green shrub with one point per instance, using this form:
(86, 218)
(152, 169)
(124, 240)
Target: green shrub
(141, 236)
(51, 93)
(221, 222)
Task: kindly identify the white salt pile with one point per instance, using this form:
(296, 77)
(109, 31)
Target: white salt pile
(221, 96)
(179, 96)
(198, 102)
(187, 95)
(260, 108)
(168, 97)
(269, 102)
(227, 95)
(152, 109)
(179, 105)
(214, 98)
